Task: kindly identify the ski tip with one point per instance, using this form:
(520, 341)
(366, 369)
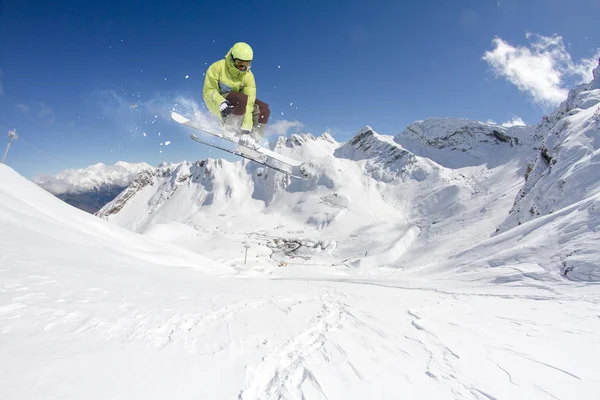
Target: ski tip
(179, 118)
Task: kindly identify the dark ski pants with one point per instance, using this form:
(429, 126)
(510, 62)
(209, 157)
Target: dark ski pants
(239, 101)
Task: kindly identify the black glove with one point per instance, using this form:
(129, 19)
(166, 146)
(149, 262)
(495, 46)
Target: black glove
(225, 108)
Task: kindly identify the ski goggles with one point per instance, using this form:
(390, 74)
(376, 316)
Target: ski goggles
(241, 64)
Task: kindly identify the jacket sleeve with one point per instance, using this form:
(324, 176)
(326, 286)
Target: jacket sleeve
(250, 91)
(211, 94)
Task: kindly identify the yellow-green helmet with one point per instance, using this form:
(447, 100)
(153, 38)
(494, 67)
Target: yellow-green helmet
(242, 51)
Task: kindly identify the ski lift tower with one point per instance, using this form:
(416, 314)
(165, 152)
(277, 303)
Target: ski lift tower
(11, 135)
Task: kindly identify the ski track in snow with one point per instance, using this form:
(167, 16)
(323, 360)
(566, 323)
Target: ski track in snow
(440, 364)
(283, 373)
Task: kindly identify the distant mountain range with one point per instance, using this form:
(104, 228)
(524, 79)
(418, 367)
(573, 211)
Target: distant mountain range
(91, 188)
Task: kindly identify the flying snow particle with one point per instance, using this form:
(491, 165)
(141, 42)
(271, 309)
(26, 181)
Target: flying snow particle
(167, 143)
(187, 76)
(279, 66)
(144, 133)
(291, 103)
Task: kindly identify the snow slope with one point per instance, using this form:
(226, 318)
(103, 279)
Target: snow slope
(89, 310)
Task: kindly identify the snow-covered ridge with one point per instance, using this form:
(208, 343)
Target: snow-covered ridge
(171, 175)
(369, 144)
(91, 178)
(211, 182)
(565, 168)
(462, 134)
(142, 180)
(456, 142)
(386, 159)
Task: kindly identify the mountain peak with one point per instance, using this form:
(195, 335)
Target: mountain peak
(385, 158)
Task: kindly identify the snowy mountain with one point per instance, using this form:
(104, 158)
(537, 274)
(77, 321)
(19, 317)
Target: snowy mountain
(90, 310)
(404, 202)
(90, 188)
(565, 168)
(441, 138)
(370, 203)
(562, 187)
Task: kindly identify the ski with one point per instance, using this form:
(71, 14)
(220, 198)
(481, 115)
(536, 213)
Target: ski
(246, 152)
(269, 153)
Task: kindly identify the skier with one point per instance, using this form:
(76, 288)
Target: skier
(230, 92)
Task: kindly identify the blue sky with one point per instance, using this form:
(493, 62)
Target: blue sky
(88, 82)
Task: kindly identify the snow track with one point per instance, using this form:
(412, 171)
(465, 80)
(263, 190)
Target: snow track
(283, 373)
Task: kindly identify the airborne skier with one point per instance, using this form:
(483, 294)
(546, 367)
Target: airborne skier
(230, 93)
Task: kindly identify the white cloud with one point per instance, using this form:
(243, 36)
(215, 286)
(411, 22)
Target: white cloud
(282, 127)
(544, 70)
(516, 121)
